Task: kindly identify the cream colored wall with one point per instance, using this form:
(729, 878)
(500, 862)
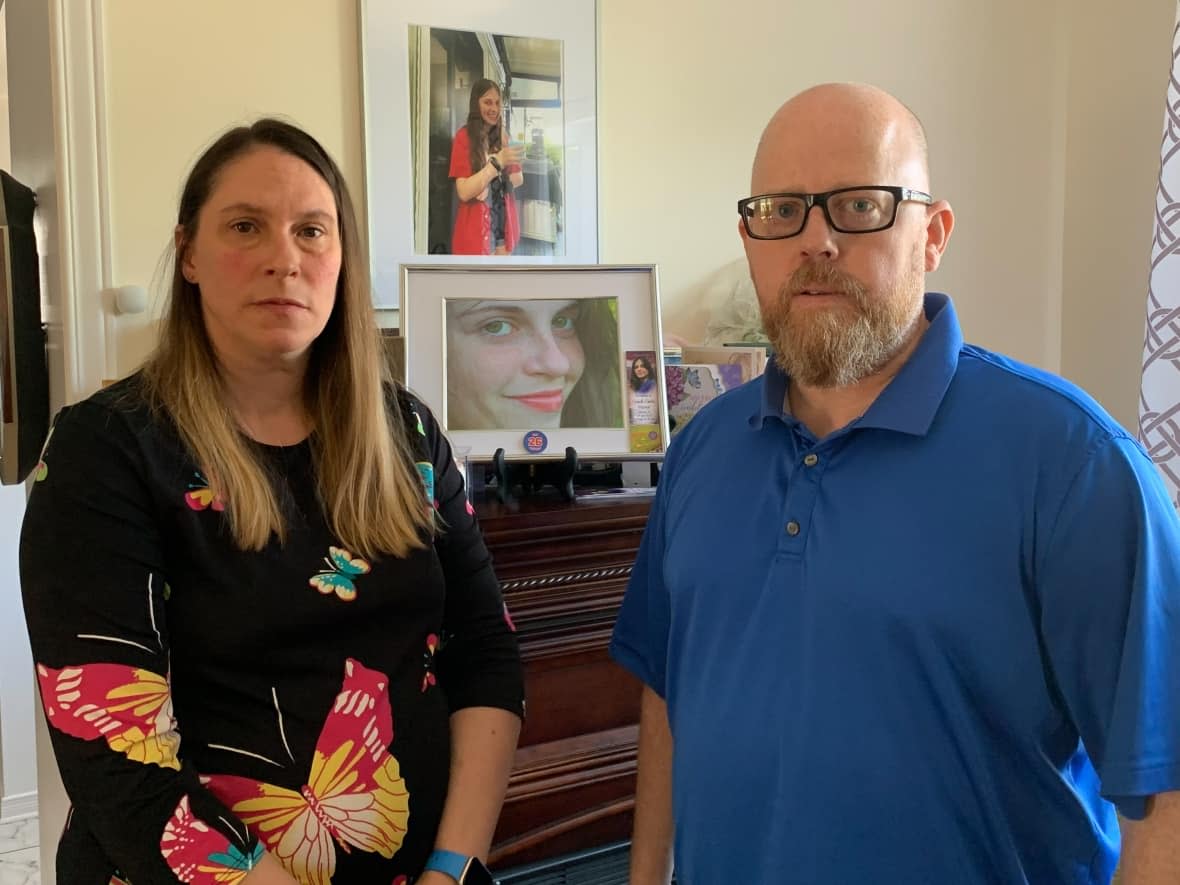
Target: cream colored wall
(682, 101)
(679, 125)
(178, 74)
(1118, 77)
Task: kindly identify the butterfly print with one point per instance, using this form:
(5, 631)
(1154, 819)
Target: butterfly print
(338, 576)
(130, 708)
(429, 678)
(354, 795)
(199, 854)
(42, 469)
(200, 496)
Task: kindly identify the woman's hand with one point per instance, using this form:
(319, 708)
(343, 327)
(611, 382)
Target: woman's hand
(508, 156)
(270, 872)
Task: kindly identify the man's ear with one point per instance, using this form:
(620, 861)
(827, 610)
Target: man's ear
(940, 221)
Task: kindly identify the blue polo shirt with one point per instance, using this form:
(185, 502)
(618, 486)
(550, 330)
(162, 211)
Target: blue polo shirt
(927, 648)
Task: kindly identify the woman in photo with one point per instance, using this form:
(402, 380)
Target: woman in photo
(643, 378)
(532, 365)
(260, 543)
(485, 169)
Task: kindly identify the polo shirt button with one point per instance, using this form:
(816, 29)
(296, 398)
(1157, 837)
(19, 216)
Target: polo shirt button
(792, 528)
(811, 460)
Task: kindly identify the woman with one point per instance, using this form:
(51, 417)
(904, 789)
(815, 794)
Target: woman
(643, 379)
(238, 545)
(485, 170)
(532, 365)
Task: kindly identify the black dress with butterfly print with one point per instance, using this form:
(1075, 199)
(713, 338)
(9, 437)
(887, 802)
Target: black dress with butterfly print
(205, 702)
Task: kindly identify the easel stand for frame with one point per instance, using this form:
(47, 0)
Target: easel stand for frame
(532, 476)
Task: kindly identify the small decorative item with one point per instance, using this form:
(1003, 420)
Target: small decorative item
(535, 442)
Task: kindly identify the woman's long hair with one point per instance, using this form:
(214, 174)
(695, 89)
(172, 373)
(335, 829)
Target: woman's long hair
(597, 399)
(372, 495)
(482, 140)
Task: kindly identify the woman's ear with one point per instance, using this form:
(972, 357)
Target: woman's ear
(181, 246)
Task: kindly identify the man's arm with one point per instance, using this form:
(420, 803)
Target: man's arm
(1151, 847)
(651, 842)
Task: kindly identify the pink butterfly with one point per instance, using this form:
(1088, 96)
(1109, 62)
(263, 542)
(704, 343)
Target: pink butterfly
(199, 854)
(130, 708)
(354, 794)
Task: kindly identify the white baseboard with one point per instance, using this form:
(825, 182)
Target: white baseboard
(18, 805)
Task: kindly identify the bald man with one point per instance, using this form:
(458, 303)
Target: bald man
(906, 611)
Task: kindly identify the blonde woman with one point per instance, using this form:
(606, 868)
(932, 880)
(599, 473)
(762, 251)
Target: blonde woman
(259, 544)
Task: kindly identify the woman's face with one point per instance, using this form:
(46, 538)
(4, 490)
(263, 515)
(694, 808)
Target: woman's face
(489, 107)
(640, 370)
(266, 257)
(511, 364)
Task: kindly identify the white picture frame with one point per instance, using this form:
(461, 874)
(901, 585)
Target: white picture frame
(426, 290)
(386, 101)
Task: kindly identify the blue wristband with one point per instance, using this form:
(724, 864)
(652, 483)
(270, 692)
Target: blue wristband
(464, 869)
(450, 862)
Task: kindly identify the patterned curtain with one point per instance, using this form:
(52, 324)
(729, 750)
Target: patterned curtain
(1159, 399)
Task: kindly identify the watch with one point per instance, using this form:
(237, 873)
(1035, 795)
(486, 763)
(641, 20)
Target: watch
(495, 163)
(462, 868)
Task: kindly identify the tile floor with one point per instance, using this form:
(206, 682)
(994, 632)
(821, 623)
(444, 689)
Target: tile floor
(19, 852)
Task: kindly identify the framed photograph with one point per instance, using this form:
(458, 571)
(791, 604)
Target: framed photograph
(480, 133)
(534, 359)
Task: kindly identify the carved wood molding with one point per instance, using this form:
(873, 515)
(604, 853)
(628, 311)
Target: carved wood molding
(557, 766)
(518, 584)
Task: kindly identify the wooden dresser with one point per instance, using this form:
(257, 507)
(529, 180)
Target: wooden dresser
(563, 567)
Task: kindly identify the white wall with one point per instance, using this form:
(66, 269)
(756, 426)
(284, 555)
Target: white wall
(18, 777)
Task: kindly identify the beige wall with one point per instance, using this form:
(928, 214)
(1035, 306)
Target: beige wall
(1001, 86)
(678, 134)
(180, 73)
(1118, 87)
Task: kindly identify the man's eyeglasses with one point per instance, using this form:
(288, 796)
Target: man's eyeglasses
(849, 210)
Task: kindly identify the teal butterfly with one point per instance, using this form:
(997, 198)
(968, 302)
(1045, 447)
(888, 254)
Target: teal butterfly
(337, 577)
(426, 472)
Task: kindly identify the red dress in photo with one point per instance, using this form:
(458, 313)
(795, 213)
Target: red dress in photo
(473, 219)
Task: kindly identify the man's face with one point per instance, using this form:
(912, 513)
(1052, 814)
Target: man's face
(837, 307)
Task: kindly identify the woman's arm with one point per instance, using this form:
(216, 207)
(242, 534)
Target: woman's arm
(473, 186)
(478, 665)
(483, 742)
(93, 580)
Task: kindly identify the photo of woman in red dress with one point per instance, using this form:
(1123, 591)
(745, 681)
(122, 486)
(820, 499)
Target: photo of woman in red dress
(486, 170)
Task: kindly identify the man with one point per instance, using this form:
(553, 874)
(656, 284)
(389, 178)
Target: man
(906, 611)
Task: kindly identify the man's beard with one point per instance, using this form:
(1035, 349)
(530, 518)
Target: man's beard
(844, 344)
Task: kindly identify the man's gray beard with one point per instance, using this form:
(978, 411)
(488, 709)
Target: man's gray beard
(843, 345)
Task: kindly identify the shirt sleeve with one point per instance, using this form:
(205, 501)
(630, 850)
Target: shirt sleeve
(94, 585)
(640, 639)
(478, 660)
(1109, 588)
(460, 155)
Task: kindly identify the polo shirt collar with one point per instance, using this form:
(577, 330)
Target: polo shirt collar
(911, 400)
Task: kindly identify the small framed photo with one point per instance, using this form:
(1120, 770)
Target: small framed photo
(534, 359)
